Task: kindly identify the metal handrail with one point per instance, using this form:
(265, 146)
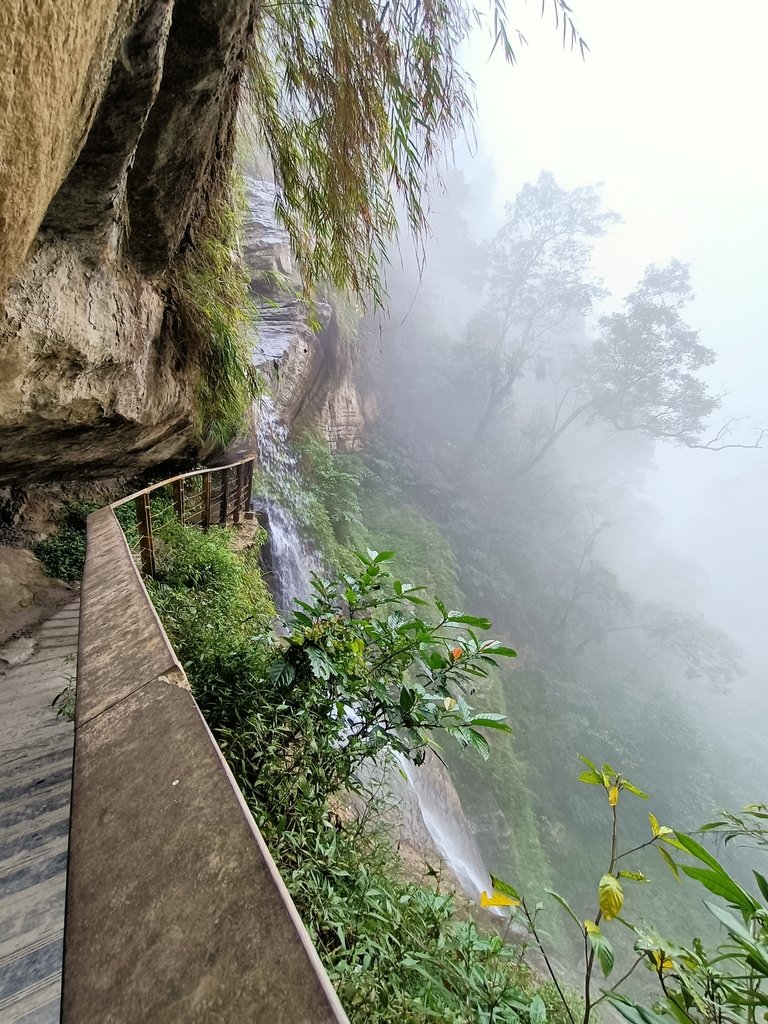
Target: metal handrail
(240, 500)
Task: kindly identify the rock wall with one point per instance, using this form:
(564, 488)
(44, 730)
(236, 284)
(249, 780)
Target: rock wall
(299, 349)
(116, 131)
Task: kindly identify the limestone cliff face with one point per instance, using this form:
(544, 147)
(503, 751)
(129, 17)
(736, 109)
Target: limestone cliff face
(313, 382)
(117, 119)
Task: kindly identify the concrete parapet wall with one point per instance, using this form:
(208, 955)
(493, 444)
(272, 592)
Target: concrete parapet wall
(176, 912)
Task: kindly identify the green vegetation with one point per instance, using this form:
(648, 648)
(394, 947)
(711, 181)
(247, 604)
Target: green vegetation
(280, 710)
(726, 984)
(216, 314)
(64, 701)
(63, 553)
(354, 105)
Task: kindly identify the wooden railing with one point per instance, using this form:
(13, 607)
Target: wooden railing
(176, 912)
(203, 498)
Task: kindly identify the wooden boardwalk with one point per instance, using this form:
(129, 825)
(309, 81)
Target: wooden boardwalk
(35, 783)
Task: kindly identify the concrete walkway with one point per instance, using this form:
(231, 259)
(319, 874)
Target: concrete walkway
(35, 782)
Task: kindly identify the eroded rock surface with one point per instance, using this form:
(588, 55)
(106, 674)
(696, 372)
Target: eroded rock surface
(116, 131)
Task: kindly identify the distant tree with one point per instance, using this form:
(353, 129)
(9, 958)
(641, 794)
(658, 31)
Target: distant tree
(539, 280)
(641, 372)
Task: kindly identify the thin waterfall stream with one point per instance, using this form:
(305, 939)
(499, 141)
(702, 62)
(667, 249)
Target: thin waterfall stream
(425, 796)
(291, 561)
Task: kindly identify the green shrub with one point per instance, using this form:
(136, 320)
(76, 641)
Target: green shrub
(217, 316)
(63, 553)
(396, 951)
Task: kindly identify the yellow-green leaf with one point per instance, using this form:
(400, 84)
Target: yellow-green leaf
(501, 886)
(498, 899)
(669, 862)
(655, 826)
(635, 876)
(626, 784)
(610, 896)
(591, 928)
(661, 962)
(613, 795)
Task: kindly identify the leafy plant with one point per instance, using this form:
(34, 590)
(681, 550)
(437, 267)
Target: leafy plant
(354, 103)
(597, 947)
(64, 701)
(359, 672)
(730, 982)
(63, 553)
(216, 313)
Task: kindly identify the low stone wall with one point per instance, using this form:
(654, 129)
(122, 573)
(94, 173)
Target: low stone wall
(176, 912)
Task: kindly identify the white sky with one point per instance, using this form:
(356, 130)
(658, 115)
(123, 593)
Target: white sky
(669, 111)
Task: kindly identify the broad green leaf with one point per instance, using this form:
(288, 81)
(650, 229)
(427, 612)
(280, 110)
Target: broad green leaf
(479, 742)
(471, 620)
(631, 788)
(587, 762)
(719, 883)
(610, 896)
(762, 884)
(697, 850)
(488, 721)
(564, 904)
(669, 862)
(321, 666)
(384, 556)
(500, 651)
(591, 777)
(407, 699)
(505, 887)
(601, 946)
(537, 1011)
(735, 928)
(633, 1012)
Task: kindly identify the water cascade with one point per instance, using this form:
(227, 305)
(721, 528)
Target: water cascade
(290, 559)
(426, 795)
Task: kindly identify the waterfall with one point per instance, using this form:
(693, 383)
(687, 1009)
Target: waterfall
(445, 822)
(426, 794)
(290, 560)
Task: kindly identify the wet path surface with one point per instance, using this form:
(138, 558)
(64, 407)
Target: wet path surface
(35, 782)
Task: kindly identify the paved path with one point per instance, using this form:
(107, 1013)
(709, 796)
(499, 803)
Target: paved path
(35, 782)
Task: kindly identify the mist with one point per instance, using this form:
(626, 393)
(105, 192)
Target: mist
(628, 566)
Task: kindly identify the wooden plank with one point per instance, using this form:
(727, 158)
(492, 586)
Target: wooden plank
(249, 485)
(146, 543)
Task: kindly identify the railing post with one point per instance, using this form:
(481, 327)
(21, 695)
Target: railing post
(206, 500)
(249, 486)
(178, 500)
(238, 493)
(224, 497)
(146, 544)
